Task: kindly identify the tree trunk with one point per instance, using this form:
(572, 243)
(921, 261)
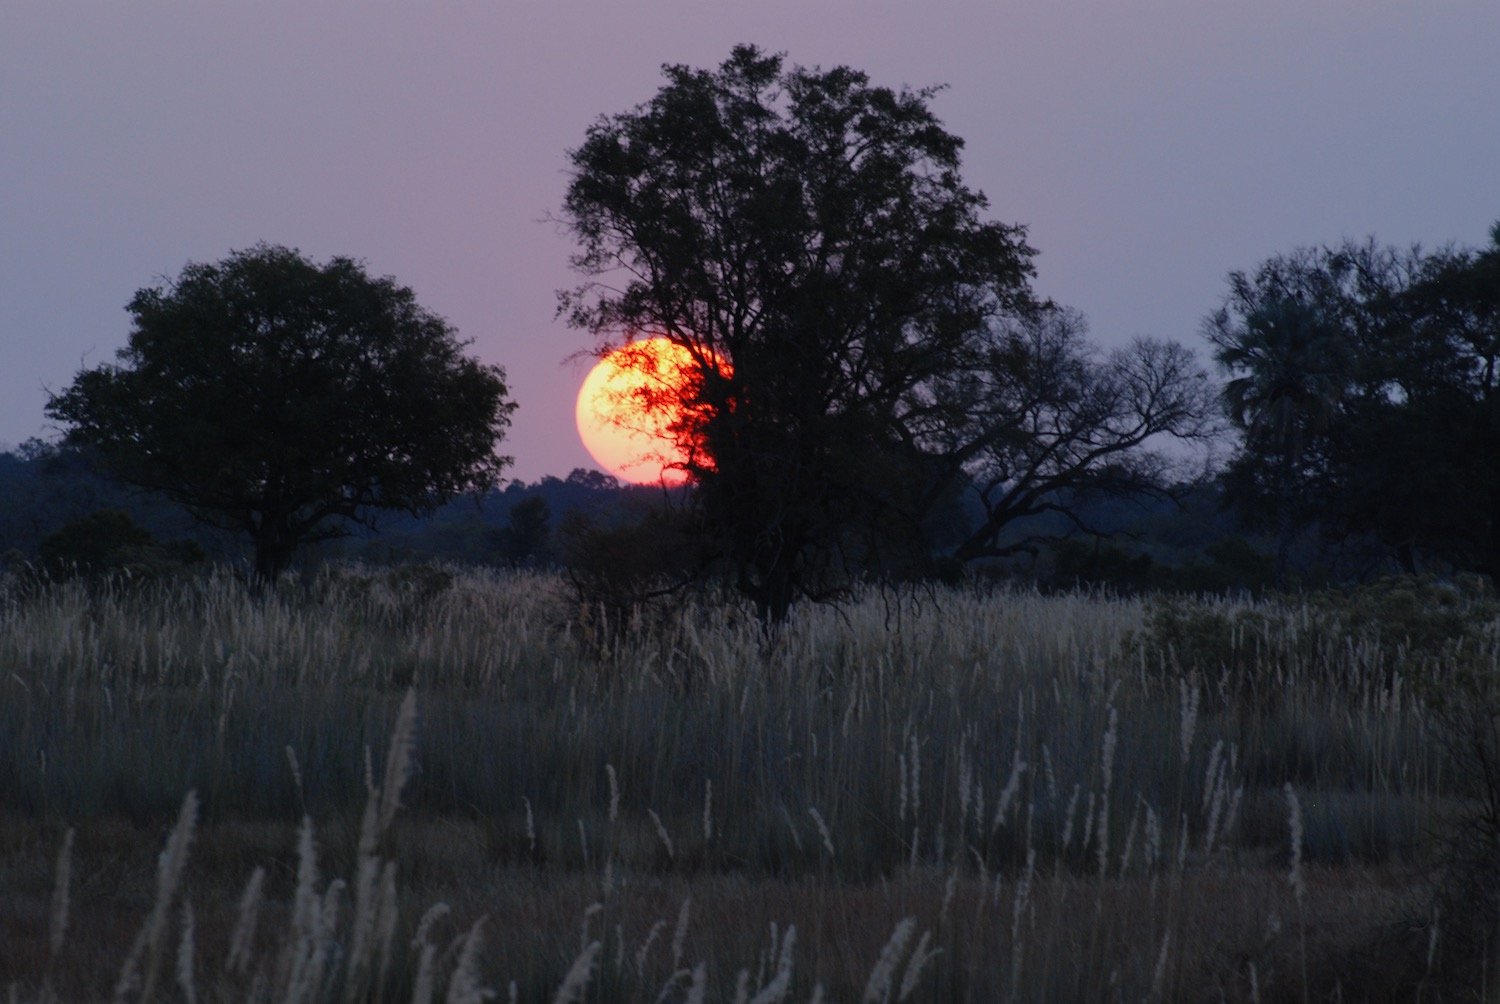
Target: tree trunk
(1492, 537)
(274, 547)
(770, 581)
(1285, 526)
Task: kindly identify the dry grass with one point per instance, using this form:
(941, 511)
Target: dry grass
(1076, 935)
(926, 796)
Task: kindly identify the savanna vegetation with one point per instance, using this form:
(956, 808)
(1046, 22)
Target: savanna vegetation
(417, 782)
(1085, 719)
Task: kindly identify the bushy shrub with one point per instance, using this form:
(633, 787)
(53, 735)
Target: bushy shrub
(103, 539)
(1413, 622)
(1425, 616)
(108, 541)
(1227, 566)
(1094, 563)
(1232, 564)
(1214, 639)
(625, 571)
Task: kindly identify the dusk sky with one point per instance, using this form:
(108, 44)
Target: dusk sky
(1150, 147)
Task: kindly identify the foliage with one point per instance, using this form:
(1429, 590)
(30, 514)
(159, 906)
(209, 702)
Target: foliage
(527, 537)
(1466, 719)
(1393, 382)
(1053, 426)
(46, 486)
(1292, 367)
(109, 541)
(630, 567)
(810, 231)
(1228, 566)
(97, 541)
(1289, 366)
(288, 400)
(1093, 562)
(1416, 623)
(868, 346)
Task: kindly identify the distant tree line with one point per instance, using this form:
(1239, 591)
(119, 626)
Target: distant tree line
(879, 393)
(620, 544)
(61, 513)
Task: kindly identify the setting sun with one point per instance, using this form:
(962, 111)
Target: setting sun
(627, 405)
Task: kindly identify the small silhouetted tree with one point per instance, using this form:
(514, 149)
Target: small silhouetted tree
(527, 536)
(868, 347)
(285, 399)
(101, 540)
(108, 540)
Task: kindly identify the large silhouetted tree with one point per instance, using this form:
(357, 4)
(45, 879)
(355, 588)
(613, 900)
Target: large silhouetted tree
(809, 230)
(807, 236)
(286, 399)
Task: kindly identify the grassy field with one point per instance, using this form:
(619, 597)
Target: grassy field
(425, 784)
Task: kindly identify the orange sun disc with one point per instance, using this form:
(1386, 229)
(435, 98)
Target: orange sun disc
(627, 406)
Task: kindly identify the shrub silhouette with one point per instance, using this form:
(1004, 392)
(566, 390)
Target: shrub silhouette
(107, 541)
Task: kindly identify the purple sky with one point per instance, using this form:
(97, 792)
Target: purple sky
(1150, 146)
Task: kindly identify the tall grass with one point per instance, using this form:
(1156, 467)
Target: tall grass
(961, 794)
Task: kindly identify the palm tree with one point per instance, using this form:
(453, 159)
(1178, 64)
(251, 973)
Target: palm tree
(1289, 367)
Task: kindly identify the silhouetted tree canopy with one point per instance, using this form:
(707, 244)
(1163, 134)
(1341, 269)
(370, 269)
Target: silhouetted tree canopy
(1396, 425)
(1288, 367)
(807, 236)
(526, 537)
(1054, 424)
(286, 399)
